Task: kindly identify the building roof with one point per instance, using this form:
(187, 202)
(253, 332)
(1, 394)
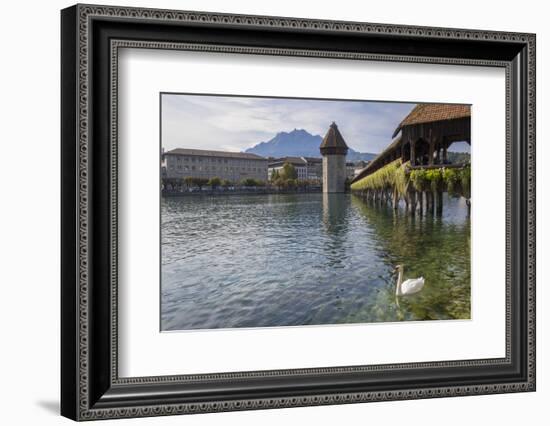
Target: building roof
(427, 113)
(209, 153)
(292, 160)
(333, 142)
(313, 159)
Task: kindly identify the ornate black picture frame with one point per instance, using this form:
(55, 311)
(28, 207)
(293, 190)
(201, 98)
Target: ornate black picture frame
(91, 36)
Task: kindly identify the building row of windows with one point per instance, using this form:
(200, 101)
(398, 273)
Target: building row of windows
(221, 169)
(181, 159)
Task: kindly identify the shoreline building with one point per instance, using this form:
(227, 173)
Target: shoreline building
(198, 163)
(307, 168)
(359, 167)
(350, 169)
(334, 151)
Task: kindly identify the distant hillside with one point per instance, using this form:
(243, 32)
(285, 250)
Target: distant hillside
(299, 143)
(458, 157)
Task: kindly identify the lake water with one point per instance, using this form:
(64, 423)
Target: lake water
(304, 259)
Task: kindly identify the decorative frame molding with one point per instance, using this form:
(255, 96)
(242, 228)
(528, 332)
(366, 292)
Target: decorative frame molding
(91, 388)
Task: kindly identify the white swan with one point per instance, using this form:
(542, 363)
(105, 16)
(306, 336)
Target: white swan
(410, 286)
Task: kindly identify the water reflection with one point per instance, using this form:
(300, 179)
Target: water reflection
(437, 248)
(335, 221)
(278, 260)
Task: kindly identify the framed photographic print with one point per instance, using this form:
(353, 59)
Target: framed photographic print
(263, 212)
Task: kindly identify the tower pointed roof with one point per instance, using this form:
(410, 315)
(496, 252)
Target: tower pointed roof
(333, 142)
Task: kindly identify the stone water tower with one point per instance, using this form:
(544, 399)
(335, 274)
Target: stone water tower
(334, 151)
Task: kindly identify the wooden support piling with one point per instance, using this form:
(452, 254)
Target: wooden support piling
(430, 207)
(413, 203)
(439, 203)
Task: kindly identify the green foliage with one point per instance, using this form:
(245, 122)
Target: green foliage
(452, 179)
(279, 182)
(200, 182)
(465, 178)
(275, 175)
(419, 179)
(249, 182)
(215, 182)
(457, 181)
(195, 181)
(189, 181)
(383, 178)
(402, 180)
(288, 172)
(435, 178)
(397, 176)
(287, 178)
(292, 183)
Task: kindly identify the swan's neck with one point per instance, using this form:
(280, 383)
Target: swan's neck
(399, 282)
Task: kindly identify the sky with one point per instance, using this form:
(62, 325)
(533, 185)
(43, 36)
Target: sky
(232, 123)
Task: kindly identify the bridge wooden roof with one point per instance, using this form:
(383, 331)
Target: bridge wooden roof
(449, 121)
(427, 113)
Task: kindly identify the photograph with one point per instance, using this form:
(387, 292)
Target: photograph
(265, 208)
(278, 212)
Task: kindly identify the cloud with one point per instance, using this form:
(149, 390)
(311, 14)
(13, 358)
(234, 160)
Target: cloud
(236, 123)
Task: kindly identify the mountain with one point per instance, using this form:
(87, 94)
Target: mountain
(299, 143)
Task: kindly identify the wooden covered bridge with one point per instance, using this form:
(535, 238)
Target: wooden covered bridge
(420, 143)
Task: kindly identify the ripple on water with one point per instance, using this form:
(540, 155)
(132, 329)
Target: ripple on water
(281, 260)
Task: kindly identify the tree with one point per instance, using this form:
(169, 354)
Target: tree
(200, 182)
(304, 183)
(279, 182)
(288, 172)
(214, 182)
(274, 175)
(225, 183)
(189, 181)
(248, 182)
